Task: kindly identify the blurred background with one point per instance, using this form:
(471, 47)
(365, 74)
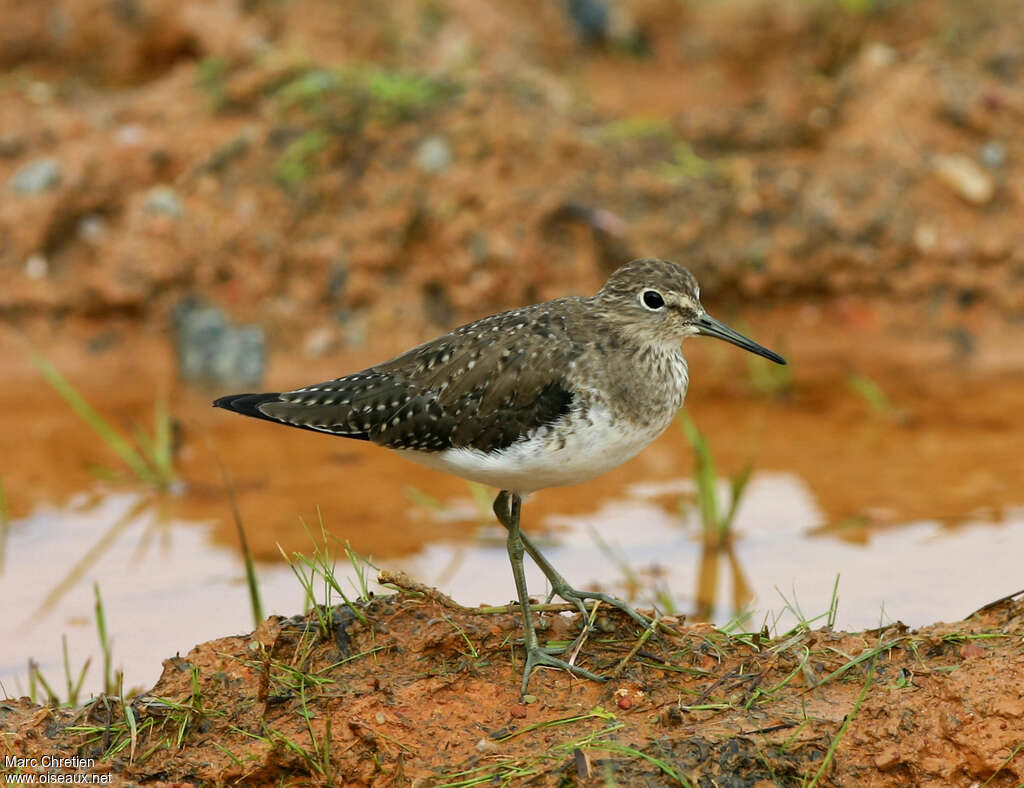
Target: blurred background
(201, 197)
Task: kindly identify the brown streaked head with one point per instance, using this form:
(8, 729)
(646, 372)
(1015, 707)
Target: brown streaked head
(659, 301)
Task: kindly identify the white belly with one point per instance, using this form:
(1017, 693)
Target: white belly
(586, 449)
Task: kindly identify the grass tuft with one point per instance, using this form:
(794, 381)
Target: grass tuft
(875, 397)
(111, 680)
(151, 458)
(319, 570)
(716, 518)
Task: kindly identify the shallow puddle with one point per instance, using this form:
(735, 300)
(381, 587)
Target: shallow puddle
(166, 586)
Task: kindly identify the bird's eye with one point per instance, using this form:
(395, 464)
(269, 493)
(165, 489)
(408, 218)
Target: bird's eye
(652, 299)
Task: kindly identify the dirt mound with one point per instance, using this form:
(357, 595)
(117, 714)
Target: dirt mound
(411, 688)
(440, 162)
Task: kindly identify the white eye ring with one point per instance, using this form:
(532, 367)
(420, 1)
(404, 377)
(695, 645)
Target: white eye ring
(651, 300)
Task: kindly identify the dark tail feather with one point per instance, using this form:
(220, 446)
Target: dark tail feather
(249, 405)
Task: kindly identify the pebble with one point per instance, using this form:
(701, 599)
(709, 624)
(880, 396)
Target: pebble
(37, 266)
(486, 745)
(129, 135)
(877, 56)
(209, 348)
(92, 228)
(434, 154)
(163, 200)
(967, 179)
(993, 154)
(320, 341)
(36, 176)
(925, 238)
(590, 17)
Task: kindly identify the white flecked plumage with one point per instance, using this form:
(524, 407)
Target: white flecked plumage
(550, 394)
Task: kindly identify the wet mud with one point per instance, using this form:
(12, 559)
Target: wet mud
(409, 688)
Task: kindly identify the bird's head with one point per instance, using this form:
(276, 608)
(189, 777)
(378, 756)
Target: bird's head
(658, 301)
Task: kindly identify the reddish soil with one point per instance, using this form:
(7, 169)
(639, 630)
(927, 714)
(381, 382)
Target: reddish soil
(817, 162)
(425, 693)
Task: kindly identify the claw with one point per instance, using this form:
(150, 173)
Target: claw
(573, 596)
(537, 656)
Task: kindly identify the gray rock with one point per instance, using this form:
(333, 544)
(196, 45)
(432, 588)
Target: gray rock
(434, 154)
(210, 349)
(993, 154)
(92, 228)
(163, 200)
(36, 176)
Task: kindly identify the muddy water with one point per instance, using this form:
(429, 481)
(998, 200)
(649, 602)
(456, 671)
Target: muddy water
(916, 507)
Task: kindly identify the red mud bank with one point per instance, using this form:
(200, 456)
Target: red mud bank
(410, 689)
(333, 166)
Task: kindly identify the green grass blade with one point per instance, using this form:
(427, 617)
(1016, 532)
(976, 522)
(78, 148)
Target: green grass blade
(114, 439)
(158, 449)
(101, 629)
(737, 485)
(163, 439)
(624, 750)
(251, 581)
(707, 492)
(36, 675)
(869, 391)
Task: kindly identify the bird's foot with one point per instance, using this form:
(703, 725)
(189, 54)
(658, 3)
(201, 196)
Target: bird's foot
(576, 597)
(538, 656)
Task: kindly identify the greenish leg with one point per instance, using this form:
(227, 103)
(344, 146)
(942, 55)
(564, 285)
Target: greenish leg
(507, 507)
(559, 585)
(561, 588)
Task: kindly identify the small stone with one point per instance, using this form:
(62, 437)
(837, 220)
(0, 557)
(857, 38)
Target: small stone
(590, 17)
(434, 154)
(36, 176)
(528, 699)
(37, 266)
(320, 341)
(624, 702)
(993, 154)
(518, 712)
(965, 178)
(210, 348)
(163, 200)
(486, 745)
(877, 56)
(39, 92)
(887, 759)
(92, 228)
(925, 238)
(129, 135)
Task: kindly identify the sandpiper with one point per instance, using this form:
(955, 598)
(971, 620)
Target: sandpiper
(548, 395)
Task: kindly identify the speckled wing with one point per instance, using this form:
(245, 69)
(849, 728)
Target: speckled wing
(482, 386)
